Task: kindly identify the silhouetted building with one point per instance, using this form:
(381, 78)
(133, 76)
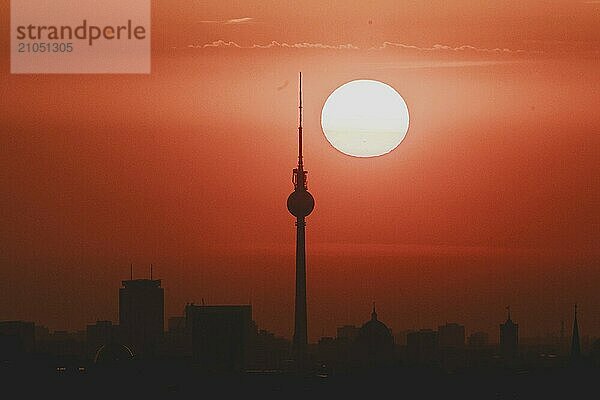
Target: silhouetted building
(422, 347)
(451, 335)
(347, 333)
(400, 337)
(178, 341)
(340, 353)
(575, 344)
(509, 338)
(141, 315)
(451, 342)
(327, 351)
(479, 351)
(374, 344)
(176, 324)
(17, 339)
(267, 351)
(63, 345)
(100, 334)
(220, 336)
(478, 339)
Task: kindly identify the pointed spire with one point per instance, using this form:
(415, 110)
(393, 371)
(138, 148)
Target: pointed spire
(300, 161)
(131, 271)
(508, 313)
(374, 313)
(300, 100)
(575, 344)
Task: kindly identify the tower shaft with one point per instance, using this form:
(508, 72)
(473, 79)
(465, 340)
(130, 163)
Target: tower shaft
(300, 341)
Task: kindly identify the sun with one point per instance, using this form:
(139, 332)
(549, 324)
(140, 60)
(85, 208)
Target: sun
(365, 118)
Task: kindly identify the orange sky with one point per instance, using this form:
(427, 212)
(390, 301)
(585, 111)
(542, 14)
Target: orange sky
(492, 198)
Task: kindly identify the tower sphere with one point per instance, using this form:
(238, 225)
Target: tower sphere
(300, 203)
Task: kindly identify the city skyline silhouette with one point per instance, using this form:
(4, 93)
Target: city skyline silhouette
(213, 344)
(224, 338)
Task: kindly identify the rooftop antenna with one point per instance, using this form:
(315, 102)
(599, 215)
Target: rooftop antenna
(150, 271)
(131, 271)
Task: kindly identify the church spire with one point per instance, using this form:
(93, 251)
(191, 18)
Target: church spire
(575, 345)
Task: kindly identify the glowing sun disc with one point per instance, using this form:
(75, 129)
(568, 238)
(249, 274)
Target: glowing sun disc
(365, 118)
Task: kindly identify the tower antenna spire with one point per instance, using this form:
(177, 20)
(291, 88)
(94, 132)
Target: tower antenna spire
(150, 271)
(131, 271)
(300, 163)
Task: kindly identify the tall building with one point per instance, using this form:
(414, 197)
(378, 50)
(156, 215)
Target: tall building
(575, 343)
(300, 204)
(509, 338)
(451, 335)
(141, 315)
(220, 336)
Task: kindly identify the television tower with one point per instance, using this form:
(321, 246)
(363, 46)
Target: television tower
(300, 204)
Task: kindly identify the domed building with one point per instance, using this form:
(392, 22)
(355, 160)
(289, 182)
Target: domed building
(374, 345)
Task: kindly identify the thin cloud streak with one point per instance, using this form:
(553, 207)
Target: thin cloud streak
(273, 44)
(218, 43)
(233, 21)
(442, 47)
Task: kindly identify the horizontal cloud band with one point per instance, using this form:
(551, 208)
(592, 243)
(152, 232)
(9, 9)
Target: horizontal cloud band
(383, 46)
